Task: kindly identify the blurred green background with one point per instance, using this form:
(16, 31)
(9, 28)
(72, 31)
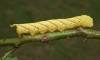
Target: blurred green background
(24, 11)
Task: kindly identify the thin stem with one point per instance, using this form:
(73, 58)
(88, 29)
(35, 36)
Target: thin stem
(86, 33)
(8, 53)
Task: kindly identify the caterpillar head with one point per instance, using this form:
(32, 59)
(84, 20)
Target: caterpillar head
(87, 21)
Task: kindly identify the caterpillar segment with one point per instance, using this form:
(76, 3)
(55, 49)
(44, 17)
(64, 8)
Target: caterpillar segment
(80, 20)
(76, 20)
(51, 27)
(63, 25)
(42, 29)
(33, 30)
(69, 24)
(60, 26)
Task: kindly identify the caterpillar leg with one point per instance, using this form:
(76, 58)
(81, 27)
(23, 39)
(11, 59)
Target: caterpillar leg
(45, 38)
(19, 35)
(79, 28)
(32, 34)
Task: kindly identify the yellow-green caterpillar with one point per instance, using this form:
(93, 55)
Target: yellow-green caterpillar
(53, 25)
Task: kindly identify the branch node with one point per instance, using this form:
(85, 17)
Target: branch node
(45, 39)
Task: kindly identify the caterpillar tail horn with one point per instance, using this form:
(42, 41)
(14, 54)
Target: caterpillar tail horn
(12, 25)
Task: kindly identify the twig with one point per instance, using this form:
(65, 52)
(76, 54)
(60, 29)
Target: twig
(86, 33)
(8, 53)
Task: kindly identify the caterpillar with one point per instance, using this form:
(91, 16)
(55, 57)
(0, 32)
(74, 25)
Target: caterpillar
(53, 25)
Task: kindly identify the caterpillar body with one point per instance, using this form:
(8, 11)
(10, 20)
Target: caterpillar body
(69, 24)
(53, 25)
(60, 26)
(75, 20)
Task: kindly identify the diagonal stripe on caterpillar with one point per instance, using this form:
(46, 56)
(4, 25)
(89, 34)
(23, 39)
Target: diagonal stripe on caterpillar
(53, 25)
